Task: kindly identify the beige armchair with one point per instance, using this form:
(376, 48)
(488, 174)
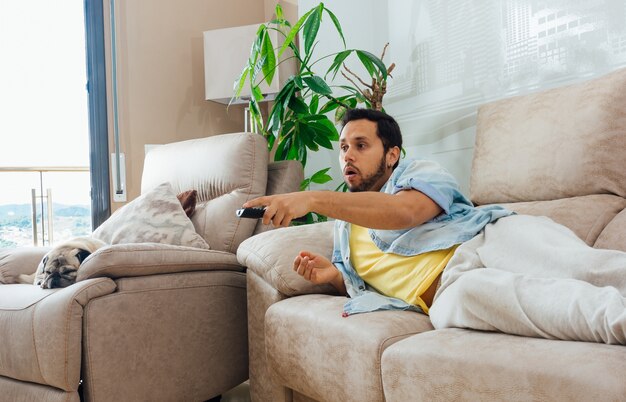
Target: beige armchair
(147, 322)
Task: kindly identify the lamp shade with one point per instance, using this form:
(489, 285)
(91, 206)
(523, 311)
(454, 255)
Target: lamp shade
(226, 52)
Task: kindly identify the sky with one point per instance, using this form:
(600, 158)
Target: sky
(44, 115)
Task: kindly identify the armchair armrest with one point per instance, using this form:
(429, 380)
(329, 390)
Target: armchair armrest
(45, 325)
(270, 255)
(140, 259)
(16, 261)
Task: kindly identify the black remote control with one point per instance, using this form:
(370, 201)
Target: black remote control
(253, 213)
(257, 213)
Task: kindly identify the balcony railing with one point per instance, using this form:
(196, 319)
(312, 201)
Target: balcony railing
(35, 185)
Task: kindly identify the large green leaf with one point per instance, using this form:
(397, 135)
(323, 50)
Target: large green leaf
(297, 105)
(367, 63)
(342, 187)
(257, 94)
(318, 85)
(330, 130)
(282, 149)
(270, 141)
(269, 66)
(307, 135)
(337, 25)
(368, 58)
(257, 67)
(297, 80)
(314, 104)
(339, 113)
(289, 128)
(305, 184)
(314, 117)
(294, 152)
(284, 95)
(293, 32)
(279, 12)
(321, 176)
(329, 106)
(322, 140)
(257, 44)
(238, 86)
(275, 119)
(310, 29)
(337, 62)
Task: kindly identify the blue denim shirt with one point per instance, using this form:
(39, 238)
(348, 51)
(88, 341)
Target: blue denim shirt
(459, 222)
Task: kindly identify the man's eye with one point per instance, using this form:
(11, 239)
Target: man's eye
(344, 148)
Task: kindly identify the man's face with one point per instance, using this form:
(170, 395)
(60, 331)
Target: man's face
(362, 157)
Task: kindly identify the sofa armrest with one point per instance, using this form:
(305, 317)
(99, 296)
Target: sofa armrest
(18, 261)
(45, 326)
(140, 259)
(270, 255)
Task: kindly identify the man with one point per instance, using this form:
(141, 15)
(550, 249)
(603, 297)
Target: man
(405, 235)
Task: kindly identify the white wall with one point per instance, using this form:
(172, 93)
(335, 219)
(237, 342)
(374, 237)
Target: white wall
(452, 56)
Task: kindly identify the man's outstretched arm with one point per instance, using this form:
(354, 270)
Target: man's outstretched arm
(369, 209)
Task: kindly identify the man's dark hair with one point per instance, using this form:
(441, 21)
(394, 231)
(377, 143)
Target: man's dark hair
(387, 128)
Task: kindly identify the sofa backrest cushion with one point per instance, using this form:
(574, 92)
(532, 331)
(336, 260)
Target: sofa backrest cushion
(613, 236)
(559, 143)
(587, 215)
(227, 170)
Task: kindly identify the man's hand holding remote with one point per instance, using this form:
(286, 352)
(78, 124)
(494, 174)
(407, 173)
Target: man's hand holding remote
(281, 209)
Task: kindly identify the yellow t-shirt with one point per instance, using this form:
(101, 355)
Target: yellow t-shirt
(405, 278)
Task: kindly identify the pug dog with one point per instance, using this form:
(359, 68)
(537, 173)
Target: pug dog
(58, 268)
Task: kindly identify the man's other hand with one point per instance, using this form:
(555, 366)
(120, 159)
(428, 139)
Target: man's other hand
(318, 270)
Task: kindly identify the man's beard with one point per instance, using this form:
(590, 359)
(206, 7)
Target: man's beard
(368, 182)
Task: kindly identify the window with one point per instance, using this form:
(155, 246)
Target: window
(52, 130)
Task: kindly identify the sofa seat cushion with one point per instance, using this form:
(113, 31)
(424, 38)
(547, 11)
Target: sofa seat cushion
(462, 365)
(19, 391)
(587, 216)
(312, 349)
(41, 331)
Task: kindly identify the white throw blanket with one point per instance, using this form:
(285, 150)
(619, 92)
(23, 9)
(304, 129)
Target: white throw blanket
(530, 276)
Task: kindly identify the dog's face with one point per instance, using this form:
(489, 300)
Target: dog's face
(58, 268)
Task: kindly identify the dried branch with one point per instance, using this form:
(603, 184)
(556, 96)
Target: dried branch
(357, 77)
(353, 83)
(375, 92)
(384, 50)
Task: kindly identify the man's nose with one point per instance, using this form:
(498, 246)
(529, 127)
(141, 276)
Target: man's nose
(348, 155)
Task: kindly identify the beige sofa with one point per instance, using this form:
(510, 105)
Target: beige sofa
(560, 153)
(146, 322)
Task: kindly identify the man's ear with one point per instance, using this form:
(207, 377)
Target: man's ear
(393, 155)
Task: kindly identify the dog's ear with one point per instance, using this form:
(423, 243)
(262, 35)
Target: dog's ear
(82, 254)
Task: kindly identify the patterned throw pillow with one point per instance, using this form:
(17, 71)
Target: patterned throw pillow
(154, 217)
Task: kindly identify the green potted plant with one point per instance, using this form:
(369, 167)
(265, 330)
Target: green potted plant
(297, 122)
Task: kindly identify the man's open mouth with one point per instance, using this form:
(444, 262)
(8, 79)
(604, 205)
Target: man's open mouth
(350, 172)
